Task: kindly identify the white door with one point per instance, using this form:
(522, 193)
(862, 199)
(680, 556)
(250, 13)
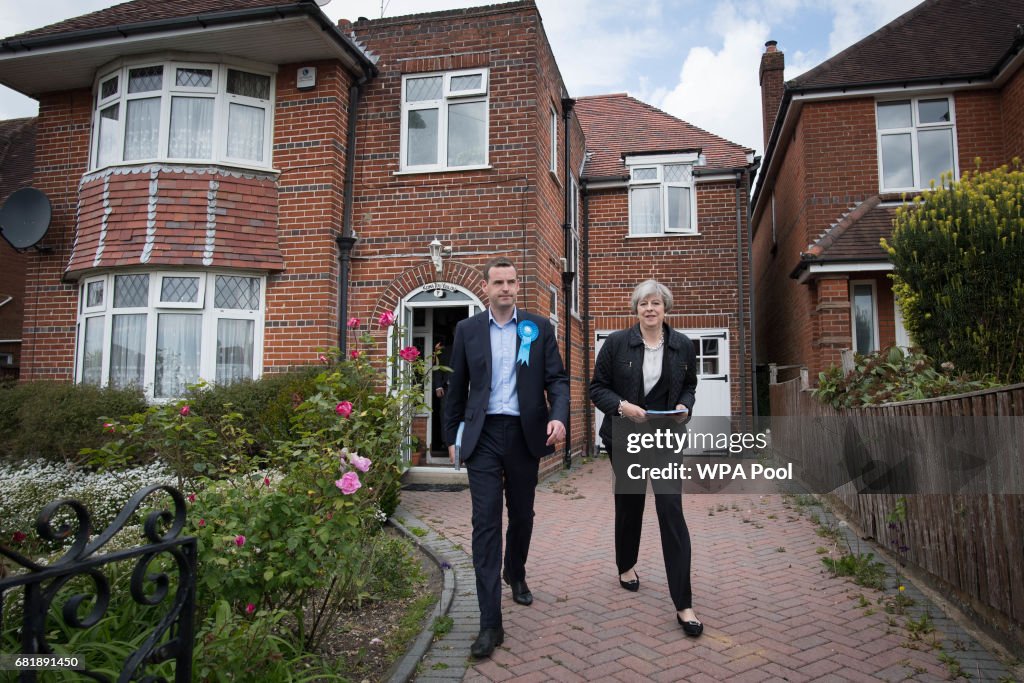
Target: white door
(713, 387)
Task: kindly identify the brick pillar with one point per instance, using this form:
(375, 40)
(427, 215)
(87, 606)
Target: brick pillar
(832, 333)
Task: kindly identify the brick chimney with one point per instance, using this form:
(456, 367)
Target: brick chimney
(773, 63)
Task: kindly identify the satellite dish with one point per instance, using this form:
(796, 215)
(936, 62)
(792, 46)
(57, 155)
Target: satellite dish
(25, 218)
(323, 3)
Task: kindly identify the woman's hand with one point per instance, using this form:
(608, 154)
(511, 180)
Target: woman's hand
(632, 412)
(682, 417)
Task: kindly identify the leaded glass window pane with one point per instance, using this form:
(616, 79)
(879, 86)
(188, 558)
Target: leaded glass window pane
(146, 79)
(468, 82)
(177, 290)
(94, 294)
(194, 78)
(109, 88)
(131, 291)
(645, 174)
(248, 85)
(240, 293)
(679, 173)
(423, 89)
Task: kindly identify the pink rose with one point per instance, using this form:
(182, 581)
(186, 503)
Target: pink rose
(360, 463)
(323, 359)
(409, 353)
(185, 411)
(191, 497)
(239, 540)
(343, 409)
(353, 355)
(387, 318)
(349, 483)
(250, 608)
(202, 522)
(266, 481)
(109, 427)
(19, 536)
(354, 323)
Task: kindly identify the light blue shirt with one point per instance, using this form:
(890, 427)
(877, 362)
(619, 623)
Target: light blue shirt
(504, 398)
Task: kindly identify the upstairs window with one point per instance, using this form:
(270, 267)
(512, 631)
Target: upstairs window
(916, 142)
(444, 120)
(574, 245)
(183, 112)
(662, 197)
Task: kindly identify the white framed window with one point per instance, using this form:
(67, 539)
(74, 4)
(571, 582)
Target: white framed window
(553, 137)
(165, 330)
(662, 195)
(916, 142)
(444, 120)
(189, 112)
(864, 316)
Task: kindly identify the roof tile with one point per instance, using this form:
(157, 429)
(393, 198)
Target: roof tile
(618, 124)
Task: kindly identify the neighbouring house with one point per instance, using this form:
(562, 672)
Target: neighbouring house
(17, 149)
(664, 199)
(938, 90)
(233, 180)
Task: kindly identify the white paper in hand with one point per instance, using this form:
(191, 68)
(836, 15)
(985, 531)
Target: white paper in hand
(458, 446)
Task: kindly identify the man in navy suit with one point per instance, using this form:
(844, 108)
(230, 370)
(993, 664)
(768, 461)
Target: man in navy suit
(503, 361)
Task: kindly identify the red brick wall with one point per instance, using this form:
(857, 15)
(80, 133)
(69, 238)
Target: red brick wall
(310, 136)
(979, 129)
(700, 270)
(1013, 116)
(62, 152)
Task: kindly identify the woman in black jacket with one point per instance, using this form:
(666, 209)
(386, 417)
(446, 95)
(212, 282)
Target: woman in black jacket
(649, 366)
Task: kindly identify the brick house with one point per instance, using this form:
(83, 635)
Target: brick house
(664, 199)
(17, 148)
(929, 93)
(232, 180)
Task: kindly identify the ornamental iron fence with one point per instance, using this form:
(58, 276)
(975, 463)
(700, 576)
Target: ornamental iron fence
(44, 583)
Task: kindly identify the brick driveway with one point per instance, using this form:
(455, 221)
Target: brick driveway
(770, 608)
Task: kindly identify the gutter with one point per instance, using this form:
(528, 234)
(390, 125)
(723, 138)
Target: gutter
(306, 8)
(347, 239)
(568, 276)
(588, 414)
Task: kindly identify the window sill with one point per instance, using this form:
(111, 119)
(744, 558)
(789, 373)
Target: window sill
(454, 169)
(138, 166)
(658, 235)
(554, 176)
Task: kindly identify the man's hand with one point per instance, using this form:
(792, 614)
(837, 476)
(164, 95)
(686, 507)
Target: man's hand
(439, 392)
(684, 417)
(451, 454)
(556, 432)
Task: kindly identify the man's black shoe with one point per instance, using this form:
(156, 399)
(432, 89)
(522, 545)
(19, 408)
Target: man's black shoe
(485, 643)
(520, 591)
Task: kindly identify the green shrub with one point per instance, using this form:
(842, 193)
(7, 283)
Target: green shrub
(55, 420)
(958, 253)
(892, 375)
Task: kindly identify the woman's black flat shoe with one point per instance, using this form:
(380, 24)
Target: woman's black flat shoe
(691, 628)
(632, 586)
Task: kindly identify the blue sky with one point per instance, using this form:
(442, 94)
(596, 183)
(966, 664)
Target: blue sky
(696, 59)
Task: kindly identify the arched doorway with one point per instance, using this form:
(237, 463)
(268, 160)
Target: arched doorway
(429, 315)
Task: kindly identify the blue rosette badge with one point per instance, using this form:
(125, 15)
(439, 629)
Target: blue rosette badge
(528, 331)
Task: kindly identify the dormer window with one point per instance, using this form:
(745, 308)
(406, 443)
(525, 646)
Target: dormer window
(662, 196)
(183, 112)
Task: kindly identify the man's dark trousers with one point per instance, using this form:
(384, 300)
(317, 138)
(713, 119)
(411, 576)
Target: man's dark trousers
(501, 464)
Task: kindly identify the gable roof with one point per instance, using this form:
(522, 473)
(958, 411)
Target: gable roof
(17, 155)
(616, 125)
(938, 39)
(854, 238)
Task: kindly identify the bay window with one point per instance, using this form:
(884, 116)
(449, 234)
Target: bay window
(444, 120)
(916, 142)
(183, 112)
(163, 331)
(662, 195)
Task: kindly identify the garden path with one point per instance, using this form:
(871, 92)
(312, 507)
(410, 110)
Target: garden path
(771, 610)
